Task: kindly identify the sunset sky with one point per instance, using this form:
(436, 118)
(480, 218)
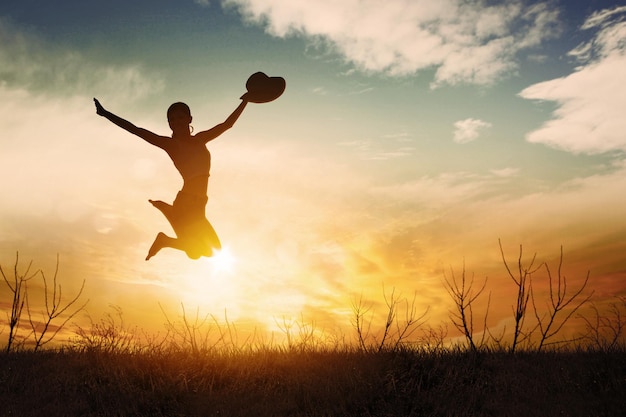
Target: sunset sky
(411, 137)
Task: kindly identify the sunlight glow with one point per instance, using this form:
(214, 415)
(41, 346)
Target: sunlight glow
(223, 261)
(211, 285)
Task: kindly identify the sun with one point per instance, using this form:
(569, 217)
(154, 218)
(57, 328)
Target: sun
(211, 284)
(223, 261)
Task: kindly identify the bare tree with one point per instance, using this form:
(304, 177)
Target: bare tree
(522, 279)
(396, 330)
(55, 308)
(464, 295)
(606, 331)
(307, 338)
(18, 288)
(560, 300)
(307, 335)
(433, 339)
(109, 335)
(360, 323)
(191, 333)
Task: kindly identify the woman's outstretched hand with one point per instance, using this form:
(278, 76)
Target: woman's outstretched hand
(99, 109)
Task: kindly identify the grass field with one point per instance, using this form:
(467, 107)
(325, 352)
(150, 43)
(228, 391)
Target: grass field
(339, 382)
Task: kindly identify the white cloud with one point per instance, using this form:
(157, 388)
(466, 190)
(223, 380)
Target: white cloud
(602, 16)
(468, 130)
(505, 172)
(321, 91)
(591, 101)
(466, 42)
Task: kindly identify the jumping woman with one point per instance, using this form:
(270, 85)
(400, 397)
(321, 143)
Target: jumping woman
(194, 234)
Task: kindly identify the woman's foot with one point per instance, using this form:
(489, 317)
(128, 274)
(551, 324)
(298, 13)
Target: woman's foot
(159, 243)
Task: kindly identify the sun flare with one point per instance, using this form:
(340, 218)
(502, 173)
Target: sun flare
(211, 280)
(210, 285)
(223, 261)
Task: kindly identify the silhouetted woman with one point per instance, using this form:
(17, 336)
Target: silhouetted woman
(195, 235)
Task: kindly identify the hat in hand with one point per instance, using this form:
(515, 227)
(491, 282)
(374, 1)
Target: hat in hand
(263, 89)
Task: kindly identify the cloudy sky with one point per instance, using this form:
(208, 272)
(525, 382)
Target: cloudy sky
(413, 136)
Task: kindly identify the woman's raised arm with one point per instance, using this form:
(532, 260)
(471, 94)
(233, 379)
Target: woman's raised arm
(145, 134)
(217, 130)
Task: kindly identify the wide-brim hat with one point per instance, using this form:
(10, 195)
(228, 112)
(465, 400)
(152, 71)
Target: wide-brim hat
(263, 89)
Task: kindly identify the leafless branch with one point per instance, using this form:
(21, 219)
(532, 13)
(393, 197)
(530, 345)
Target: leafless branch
(55, 308)
(560, 300)
(19, 289)
(522, 280)
(464, 296)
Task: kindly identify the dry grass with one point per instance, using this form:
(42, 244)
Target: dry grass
(275, 382)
